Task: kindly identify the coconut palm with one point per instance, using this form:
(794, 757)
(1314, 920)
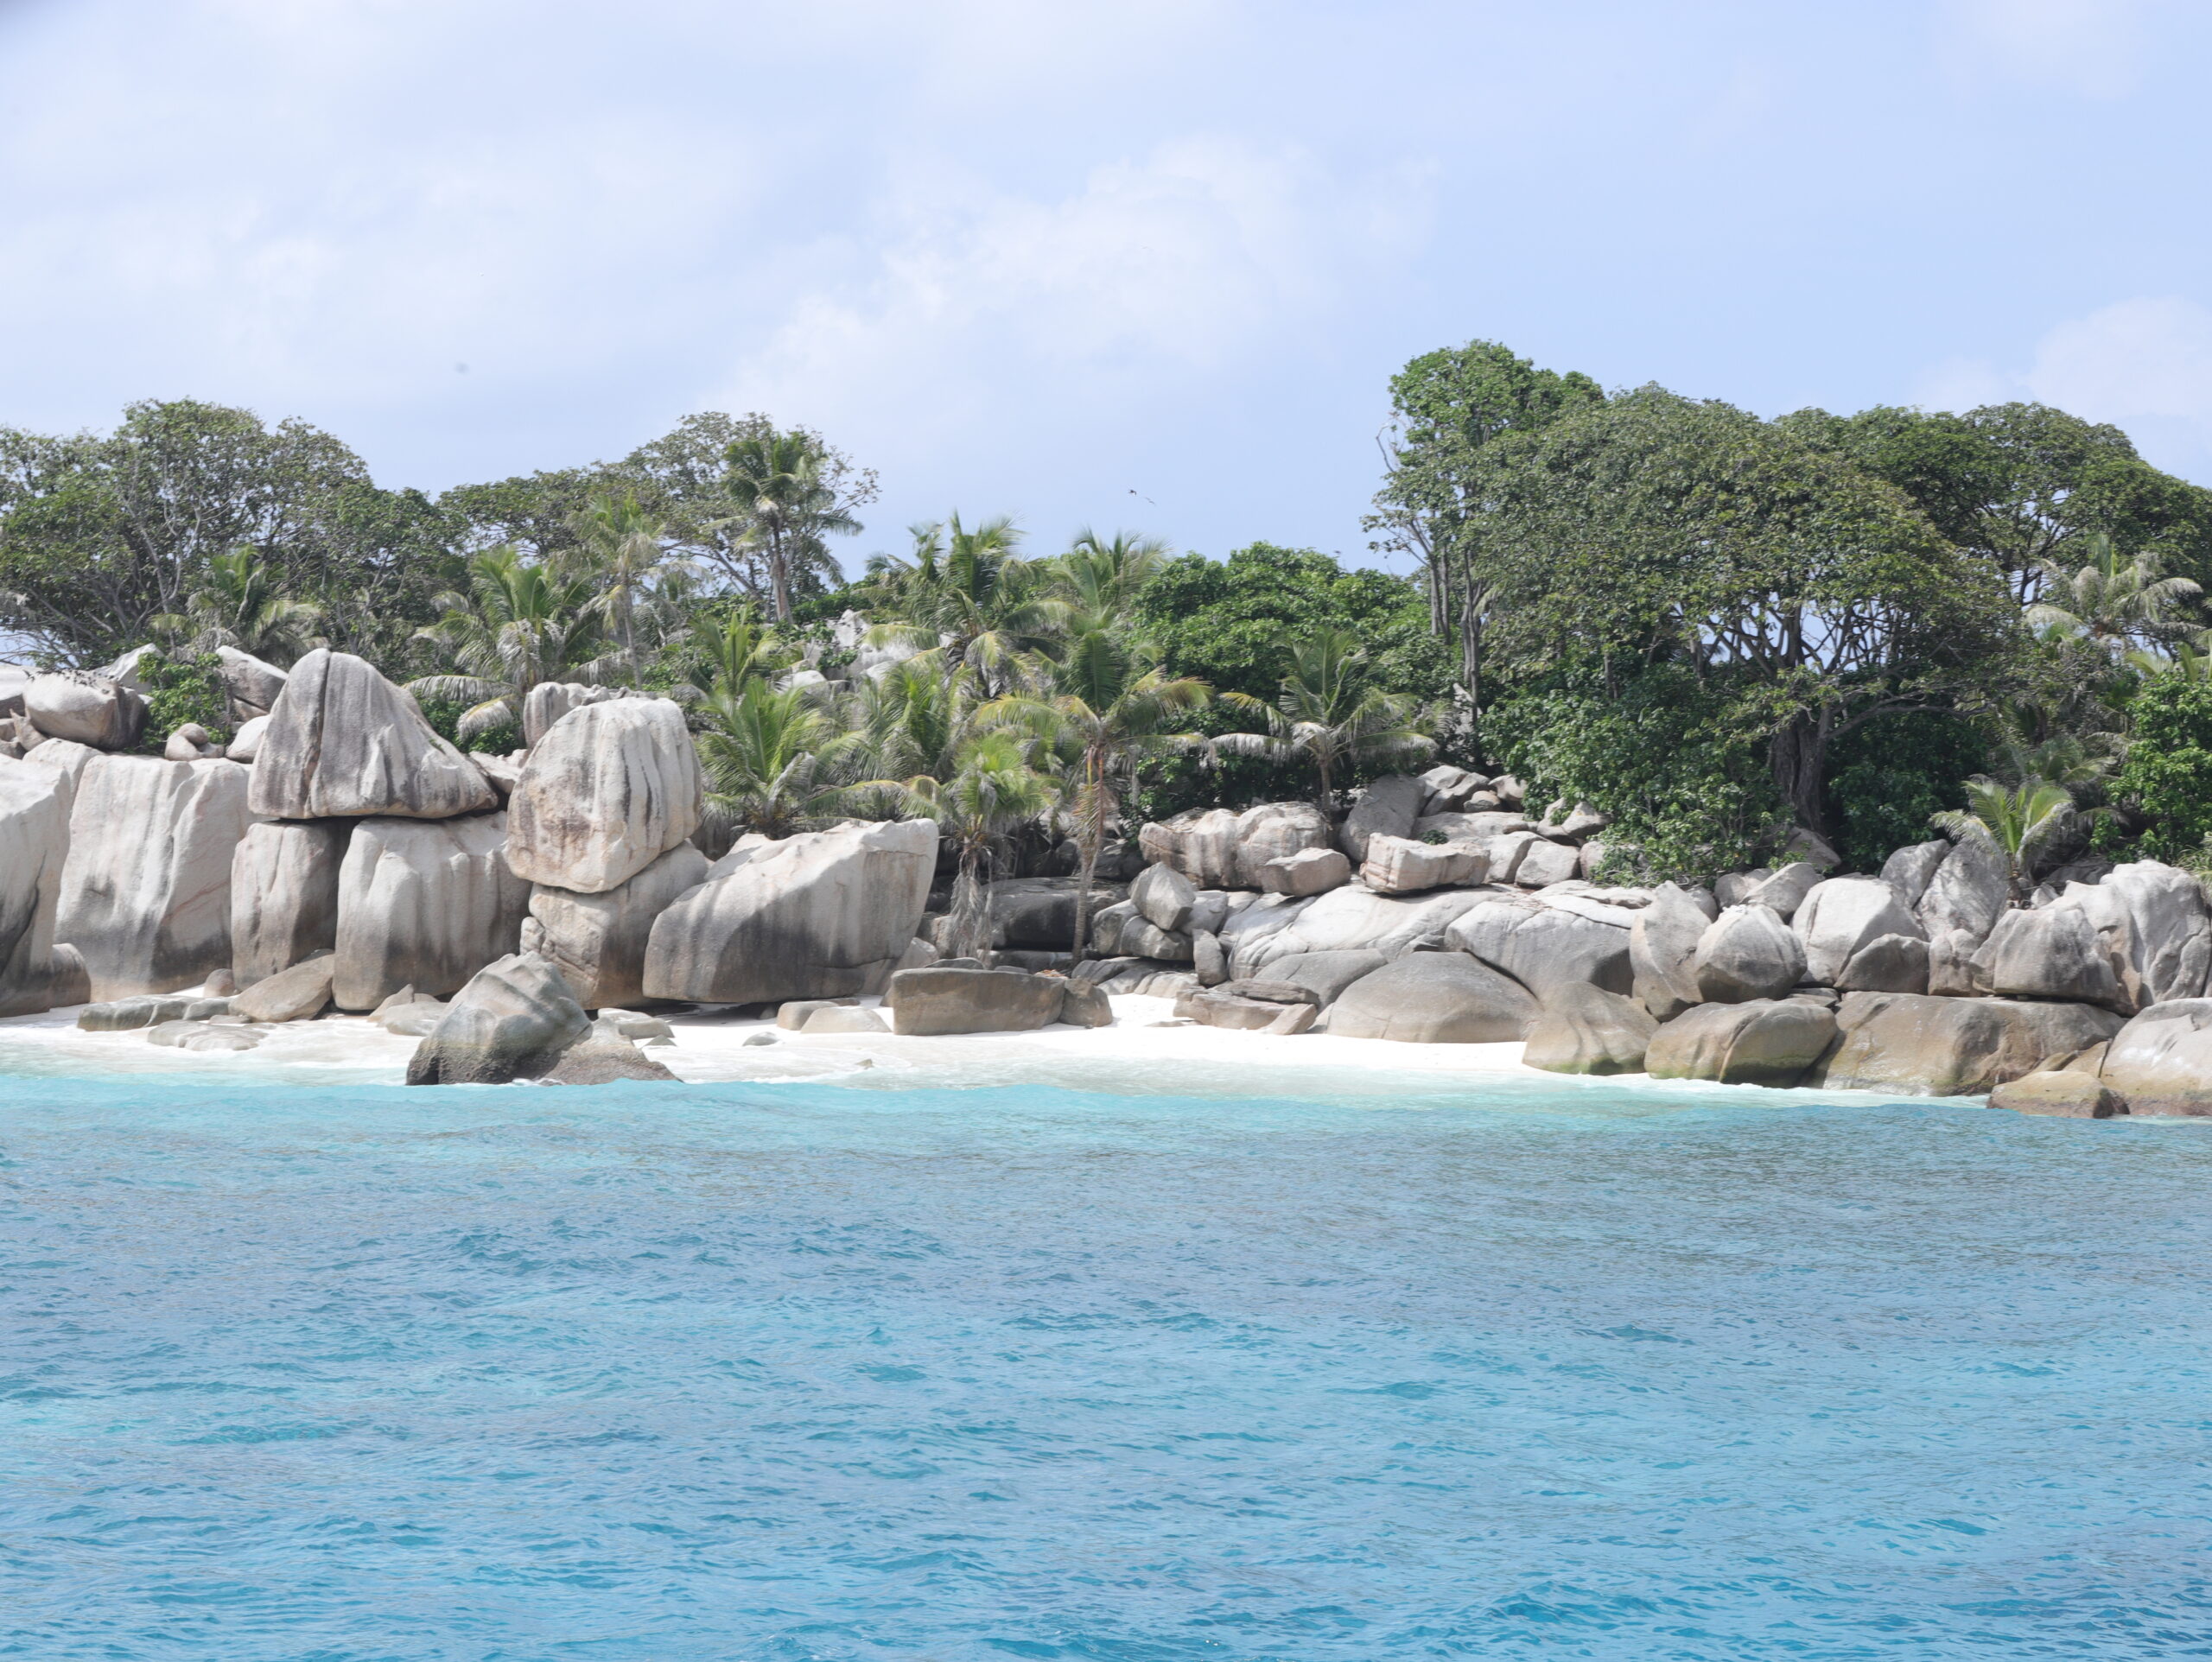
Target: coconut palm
(2016, 822)
(730, 655)
(785, 508)
(1101, 576)
(1328, 714)
(997, 787)
(968, 596)
(238, 604)
(768, 758)
(2116, 604)
(518, 626)
(624, 544)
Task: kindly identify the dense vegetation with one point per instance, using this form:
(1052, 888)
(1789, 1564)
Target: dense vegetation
(1726, 631)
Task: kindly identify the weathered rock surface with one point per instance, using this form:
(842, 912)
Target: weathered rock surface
(2152, 926)
(1209, 962)
(423, 903)
(1771, 1042)
(1954, 965)
(2071, 1095)
(1663, 952)
(123, 1015)
(1163, 897)
(1222, 1008)
(1038, 912)
(1953, 1047)
(793, 1014)
(2161, 1061)
(1106, 926)
(1543, 947)
(1909, 871)
(1543, 863)
(938, 1000)
(146, 891)
(1435, 998)
(1401, 865)
(1586, 1029)
(1085, 1004)
(300, 994)
(1888, 963)
(189, 743)
(66, 756)
(1343, 920)
(1747, 953)
(1967, 893)
(285, 894)
(1838, 917)
(598, 942)
(89, 709)
(1386, 808)
(608, 791)
(250, 686)
(343, 742)
(245, 743)
(605, 1057)
(820, 914)
(1482, 827)
(2053, 953)
(844, 1018)
(546, 703)
(1218, 848)
(1783, 892)
(34, 803)
(1325, 975)
(512, 1020)
(1146, 939)
(1309, 871)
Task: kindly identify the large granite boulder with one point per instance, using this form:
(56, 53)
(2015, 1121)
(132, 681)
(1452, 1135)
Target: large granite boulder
(598, 940)
(1386, 808)
(513, 1019)
(1401, 865)
(1037, 913)
(1544, 947)
(1784, 890)
(2062, 1093)
(1543, 862)
(300, 994)
(1219, 848)
(1663, 952)
(89, 709)
(608, 791)
(1967, 893)
(2161, 1061)
(2051, 954)
(2152, 926)
(1163, 897)
(343, 742)
(1838, 917)
(1325, 975)
(1435, 998)
(1909, 871)
(1926, 1046)
(34, 802)
(1586, 1029)
(1341, 921)
(820, 914)
(250, 687)
(146, 891)
(1309, 871)
(425, 903)
(972, 1000)
(1888, 963)
(285, 894)
(1772, 1042)
(604, 1056)
(544, 705)
(1747, 953)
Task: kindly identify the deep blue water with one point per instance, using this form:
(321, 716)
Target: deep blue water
(823, 1372)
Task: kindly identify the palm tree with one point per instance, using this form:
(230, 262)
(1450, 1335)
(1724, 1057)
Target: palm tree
(768, 758)
(1327, 714)
(970, 597)
(624, 544)
(785, 508)
(238, 604)
(2016, 821)
(1102, 576)
(518, 626)
(739, 651)
(2116, 605)
(996, 787)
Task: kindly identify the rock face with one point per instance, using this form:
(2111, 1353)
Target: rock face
(1966, 894)
(820, 914)
(598, 940)
(285, 894)
(1543, 863)
(1340, 921)
(425, 903)
(2052, 954)
(1909, 871)
(1953, 1047)
(1837, 917)
(547, 702)
(608, 791)
(245, 743)
(1146, 939)
(1217, 848)
(1386, 808)
(1163, 897)
(1784, 891)
(972, 1000)
(2077, 1096)
(1663, 952)
(1586, 1029)
(89, 709)
(1888, 963)
(1543, 947)
(250, 686)
(1435, 998)
(2161, 1061)
(1401, 865)
(34, 802)
(1325, 975)
(1309, 871)
(603, 1057)
(146, 893)
(2154, 929)
(1038, 912)
(512, 1020)
(1759, 1042)
(300, 994)
(343, 742)
(1747, 953)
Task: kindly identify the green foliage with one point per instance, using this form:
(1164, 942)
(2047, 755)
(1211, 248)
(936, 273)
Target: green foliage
(2167, 774)
(444, 716)
(1889, 778)
(181, 688)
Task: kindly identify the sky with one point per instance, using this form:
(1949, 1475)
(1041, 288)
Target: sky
(1125, 265)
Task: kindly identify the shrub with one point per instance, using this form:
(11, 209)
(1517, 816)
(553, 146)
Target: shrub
(180, 688)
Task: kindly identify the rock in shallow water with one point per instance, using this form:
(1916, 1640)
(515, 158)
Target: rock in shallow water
(1756, 1042)
(511, 1021)
(1587, 1030)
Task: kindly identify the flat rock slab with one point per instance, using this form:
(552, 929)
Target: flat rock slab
(937, 1001)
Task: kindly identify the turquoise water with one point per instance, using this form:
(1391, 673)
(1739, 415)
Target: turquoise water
(723, 1372)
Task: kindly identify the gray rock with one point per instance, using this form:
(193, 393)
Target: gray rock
(146, 890)
(1785, 891)
(1909, 871)
(2069, 1095)
(1435, 998)
(126, 671)
(1758, 1042)
(793, 1014)
(221, 985)
(124, 1015)
(245, 743)
(1663, 952)
(1210, 911)
(1218, 848)
(1386, 808)
(1586, 1029)
(1085, 1004)
(820, 914)
(73, 982)
(1164, 897)
(1967, 894)
(1448, 787)
(189, 743)
(547, 702)
(753, 1039)
(598, 942)
(1106, 926)
(1208, 962)
(1542, 948)
(416, 1019)
(2161, 1061)
(502, 773)
(926, 1001)
(2050, 954)
(425, 903)
(844, 1018)
(300, 994)
(1482, 827)
(630, 1024)
(1309, 871)
(34, 803)
(1345, 919)
(1747, 953)
(1543, 863)
(2152, 926)
(250, 686)
(201, 1037)
(1843, 914)
(1038, 912)
(345, 743)
(602, 1058)
(1955, 969)
(1142, 936)
(512, 1021)
(285, 894)
(1273, 993)
(1221, 1008)
(1325, 975)
(1401, 865)
(88, 709)
(1734, 888)
(1888, 963)
(608, 791)
(1147, 979)
(1953, 1047)
(1509, 790)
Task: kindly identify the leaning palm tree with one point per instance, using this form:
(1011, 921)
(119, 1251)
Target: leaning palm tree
(783, 507)
(1328, 714)
(996, 787)
(768, 758)
(2016, 822)
(238, 604)
(518, 625)
(623, 544)
(2115, 604)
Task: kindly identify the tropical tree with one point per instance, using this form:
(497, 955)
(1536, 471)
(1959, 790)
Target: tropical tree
(239, 604)
(784, 506)
(2115, 604)
(2018, 821)
(1328, 715)
(768, 757)
(518, 625)
(996, 787)
(1102, 577)
(970, 597)
(623, 544)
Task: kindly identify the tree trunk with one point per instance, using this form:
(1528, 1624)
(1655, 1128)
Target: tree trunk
(1799, 756)
(1093, 833)
(780, 576)
(970, 920)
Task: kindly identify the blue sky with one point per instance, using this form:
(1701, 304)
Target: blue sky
(1125, 264)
